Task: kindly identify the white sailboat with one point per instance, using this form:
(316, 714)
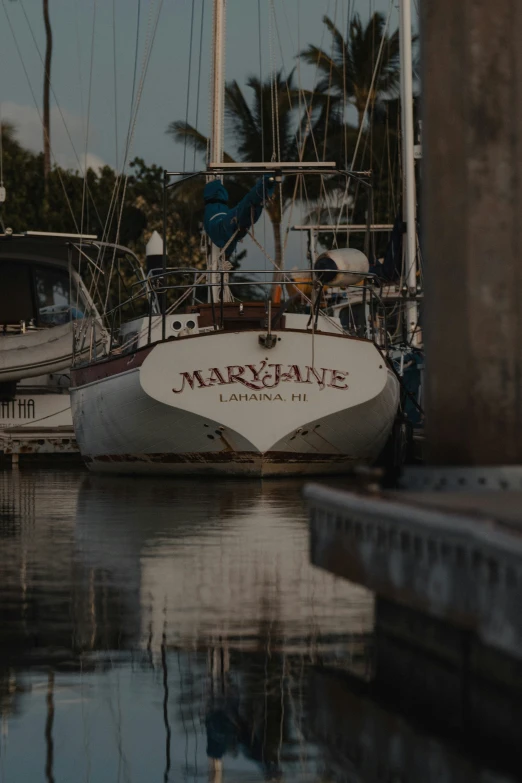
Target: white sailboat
(42, 302)
(233, 387)
(50, 300)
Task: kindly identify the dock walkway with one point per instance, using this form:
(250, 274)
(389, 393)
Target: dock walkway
(456, 557)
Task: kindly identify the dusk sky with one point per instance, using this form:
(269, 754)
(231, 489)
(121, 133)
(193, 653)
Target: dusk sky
(165, 90)
(298, 22)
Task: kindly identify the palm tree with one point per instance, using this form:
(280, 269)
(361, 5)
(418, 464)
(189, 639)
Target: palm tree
(348, 70)
(259, 137)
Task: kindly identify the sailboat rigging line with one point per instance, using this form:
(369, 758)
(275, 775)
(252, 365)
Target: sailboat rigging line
(89, 97)
(345, 94)
(261, 106)
(299, 81)
(31, 422)
(199, 70)
(329, 90)
(283, 67)
(390, 169)
(115, 77)
(261, 100)
(368, 99)
(298, 136)
(132, 128)
(135, 60)
(133, 110)
(276, 147)
(164, 258)
(33, 36)
(17, 46)
(276, 138)
(308, 109)
(285, 278)
(79, 58)
(298, 181)
(298, 132)
(189, 79)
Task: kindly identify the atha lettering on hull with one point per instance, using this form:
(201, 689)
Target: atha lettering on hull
(17, 409)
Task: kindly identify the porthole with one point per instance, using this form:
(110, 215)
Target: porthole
(191, 324)
(177, 326)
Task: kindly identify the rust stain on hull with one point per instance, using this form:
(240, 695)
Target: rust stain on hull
(32, 441)
(275, 457)
(223, 463)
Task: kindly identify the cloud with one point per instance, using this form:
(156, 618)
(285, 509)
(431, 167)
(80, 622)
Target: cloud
(64, 135)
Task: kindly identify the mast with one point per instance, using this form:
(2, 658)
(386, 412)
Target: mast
(408, 173)
(218, 82)
(218, 114)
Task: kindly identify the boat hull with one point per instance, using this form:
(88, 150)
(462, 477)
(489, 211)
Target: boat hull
(259, 413)
(37, 422)
(40, 352)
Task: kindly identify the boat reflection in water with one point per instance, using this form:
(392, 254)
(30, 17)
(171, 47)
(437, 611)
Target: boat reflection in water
(162, 630)
(227, 563)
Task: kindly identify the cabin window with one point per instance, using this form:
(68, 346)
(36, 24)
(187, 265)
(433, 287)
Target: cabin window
(16, 298)
(52, 295)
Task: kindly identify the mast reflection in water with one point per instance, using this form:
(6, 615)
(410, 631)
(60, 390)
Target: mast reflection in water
(175, 630)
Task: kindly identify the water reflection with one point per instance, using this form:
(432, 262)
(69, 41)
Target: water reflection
(165, 630)
(229, 560)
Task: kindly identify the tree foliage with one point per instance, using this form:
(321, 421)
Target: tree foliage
(259, 136)
(26, 207)
(348, 69)
(306, 126)
(351, 72)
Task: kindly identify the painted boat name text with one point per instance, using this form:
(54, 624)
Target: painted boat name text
(17, 409)
(261, 398)
(263, 376)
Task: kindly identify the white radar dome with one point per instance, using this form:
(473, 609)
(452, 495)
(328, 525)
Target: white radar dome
(341, 267)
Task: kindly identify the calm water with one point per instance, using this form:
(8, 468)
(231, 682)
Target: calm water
(157, 630)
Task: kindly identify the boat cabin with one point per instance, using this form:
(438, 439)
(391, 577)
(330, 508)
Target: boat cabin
(36, 288)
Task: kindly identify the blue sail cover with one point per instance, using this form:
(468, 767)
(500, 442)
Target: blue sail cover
(221, 222)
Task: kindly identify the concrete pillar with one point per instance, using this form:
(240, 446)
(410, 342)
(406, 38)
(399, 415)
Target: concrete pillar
(472, 223)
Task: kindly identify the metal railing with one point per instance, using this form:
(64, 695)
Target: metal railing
(157, 287)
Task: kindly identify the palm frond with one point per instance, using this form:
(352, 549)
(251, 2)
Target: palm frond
(180, 130)
(343, 56)
(315, 56)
